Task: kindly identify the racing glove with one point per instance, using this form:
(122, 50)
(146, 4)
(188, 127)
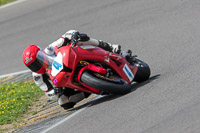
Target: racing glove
(75, 37)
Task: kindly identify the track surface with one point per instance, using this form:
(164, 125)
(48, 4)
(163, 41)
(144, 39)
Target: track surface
(163, 33)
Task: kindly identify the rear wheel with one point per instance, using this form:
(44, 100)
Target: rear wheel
(143, 72)
(112, 84)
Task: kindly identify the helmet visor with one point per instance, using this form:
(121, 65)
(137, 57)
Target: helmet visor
(42, 60)
(45, 59)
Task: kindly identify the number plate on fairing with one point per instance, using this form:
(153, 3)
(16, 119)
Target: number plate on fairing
(57, 65)
(128, 72)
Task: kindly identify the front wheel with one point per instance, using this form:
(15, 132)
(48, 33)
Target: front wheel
(143, 72)
(116, 86)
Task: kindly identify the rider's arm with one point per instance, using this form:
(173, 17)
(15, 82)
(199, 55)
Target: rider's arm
(84, 38)
(50, 49)
(65, 39)
(91, 41)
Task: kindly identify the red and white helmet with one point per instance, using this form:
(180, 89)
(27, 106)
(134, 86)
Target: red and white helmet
(35, 59)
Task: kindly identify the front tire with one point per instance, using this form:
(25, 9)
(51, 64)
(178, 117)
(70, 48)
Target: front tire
(104, 85)
(143, 72)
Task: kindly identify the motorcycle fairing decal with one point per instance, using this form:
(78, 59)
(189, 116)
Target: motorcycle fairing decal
(28, 60)
(128, 72)
(87, 47)
(107, 59)
(55, 81)
(118, 57)
(57, 65)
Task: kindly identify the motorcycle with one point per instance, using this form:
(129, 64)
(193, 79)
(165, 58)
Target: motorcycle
(91, 69)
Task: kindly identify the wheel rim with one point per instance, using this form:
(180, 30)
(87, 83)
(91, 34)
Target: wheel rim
(112, 78)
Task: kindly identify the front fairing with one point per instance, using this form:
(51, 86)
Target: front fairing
(64, 65)
(71, 57)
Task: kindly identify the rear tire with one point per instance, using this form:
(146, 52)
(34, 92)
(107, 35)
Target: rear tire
(143, 72)
(104, 85)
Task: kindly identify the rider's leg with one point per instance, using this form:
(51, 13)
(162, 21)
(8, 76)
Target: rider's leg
(115, 48)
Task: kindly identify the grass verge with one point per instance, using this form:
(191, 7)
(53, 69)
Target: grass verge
(2, 2)
(15, 98)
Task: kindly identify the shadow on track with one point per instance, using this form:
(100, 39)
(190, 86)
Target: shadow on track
(135, 86)
(109, 97)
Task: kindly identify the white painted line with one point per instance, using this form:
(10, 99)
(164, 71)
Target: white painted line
(68, 117)
(20, 72)
(12, 3)
(60, 122)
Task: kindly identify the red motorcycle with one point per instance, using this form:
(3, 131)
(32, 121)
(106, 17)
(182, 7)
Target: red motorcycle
(91, 69)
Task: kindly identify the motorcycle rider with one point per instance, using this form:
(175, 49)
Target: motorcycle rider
(34, 60)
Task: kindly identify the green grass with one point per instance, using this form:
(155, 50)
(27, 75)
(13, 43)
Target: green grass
(5, 1)
(15, 98)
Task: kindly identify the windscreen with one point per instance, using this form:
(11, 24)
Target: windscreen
(45, 59)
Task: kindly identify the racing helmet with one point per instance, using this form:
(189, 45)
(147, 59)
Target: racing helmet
(36, 59)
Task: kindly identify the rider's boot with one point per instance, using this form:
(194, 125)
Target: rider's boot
(115, 48)
(73, 99)
(68, 97)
